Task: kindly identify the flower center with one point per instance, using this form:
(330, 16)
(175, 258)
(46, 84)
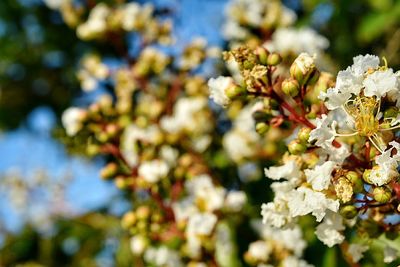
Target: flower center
(364, 109)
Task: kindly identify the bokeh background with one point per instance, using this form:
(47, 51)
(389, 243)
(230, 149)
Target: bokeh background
(54, 209)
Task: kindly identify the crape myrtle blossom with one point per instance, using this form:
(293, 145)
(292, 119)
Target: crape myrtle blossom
(341, 166)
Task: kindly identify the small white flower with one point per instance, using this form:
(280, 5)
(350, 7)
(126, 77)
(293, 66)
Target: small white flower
(218, 89)
(235, 200)
(356, 251)
(380, 83)
(362, 63)
(153, 171)
(329, 230)
(138, 244)
(320, 176)
(260, 250)
(72, 120)
(303, 201)
(201, 224)
(276, 213)
(324, 134)
(290, 171)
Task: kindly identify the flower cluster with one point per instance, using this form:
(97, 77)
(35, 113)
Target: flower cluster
(342, 153)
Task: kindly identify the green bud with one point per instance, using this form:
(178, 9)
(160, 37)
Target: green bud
(348, 211)
(92, 149)
(109, 171)
(355, 179)
(120, 182)
(290, 87)
(296, 147)
(304, 134)
(382, 194)
(366, 176)
(303, 69)
(262, 55)
(390, 113)
(314, 76)
(274, 59)
(262, 128)
(235, 91)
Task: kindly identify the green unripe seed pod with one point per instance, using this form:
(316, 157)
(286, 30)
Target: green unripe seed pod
(355, 179)
(295, 147)
(290, 87)
(348, 211)
(274, 59)
(304, 134)
(382, 194)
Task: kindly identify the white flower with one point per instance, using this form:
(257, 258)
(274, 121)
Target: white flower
(380, 83)
(184, 209)
(201, 224)
(387, 164)
(138, 244)
(303, 201)
(235, 200)
(290, 238)
(208, 196)
(390, 254)
(130, 16)
(132, 134)
(296, 41)
(292, 261)
(154, 170)
(163, 256)
(276, 213)
(320, 176)
(356, 251)
(290, 171)
(96, 23)
(323, 133)
(362, 63)
(328, 230)
(72, 120)
(260, 250)
(218, 88)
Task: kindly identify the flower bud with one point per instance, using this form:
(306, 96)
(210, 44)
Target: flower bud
(296, 148)
(390, 113)
(348, 211)
(235, 91)
(304, 134)
(290, 87)
(366, 176)
(143, 212)
(355, 179)
(128, 220)
(382, 194)
(262, 128)
(274, 59)
(262, 55)
(303, 69)
(109, 171)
